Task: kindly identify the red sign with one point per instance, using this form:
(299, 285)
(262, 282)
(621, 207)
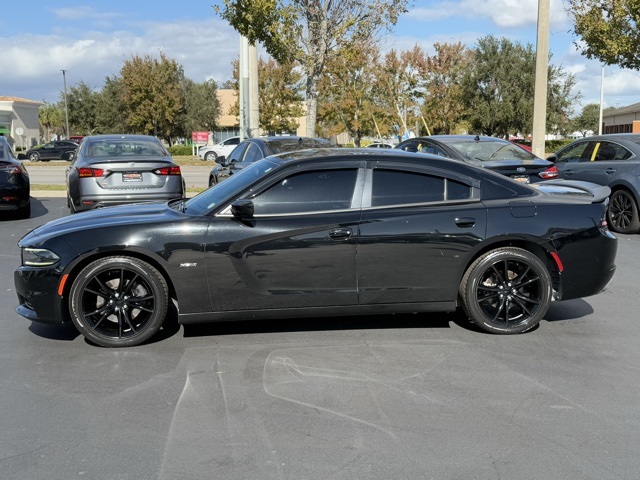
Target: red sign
(200, 137)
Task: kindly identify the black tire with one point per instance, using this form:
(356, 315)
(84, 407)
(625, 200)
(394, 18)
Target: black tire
(118, 301)
(72, 208)
(211, 157)
(24, 212)
(34, 157)
(507, 291)
(212, 180)
(622, 214)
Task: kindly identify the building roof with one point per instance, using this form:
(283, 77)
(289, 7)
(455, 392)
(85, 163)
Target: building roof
(17, 99)
(634, 108)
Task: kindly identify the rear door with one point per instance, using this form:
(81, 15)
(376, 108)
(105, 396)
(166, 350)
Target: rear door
(418, 224)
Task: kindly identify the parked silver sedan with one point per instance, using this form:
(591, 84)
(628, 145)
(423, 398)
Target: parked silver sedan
(116, 169)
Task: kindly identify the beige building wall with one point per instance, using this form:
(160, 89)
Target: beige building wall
(19, 114)
(622, 120)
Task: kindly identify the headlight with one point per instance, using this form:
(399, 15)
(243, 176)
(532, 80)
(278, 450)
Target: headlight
(38, 257)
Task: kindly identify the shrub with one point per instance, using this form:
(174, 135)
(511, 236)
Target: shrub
(180, 150)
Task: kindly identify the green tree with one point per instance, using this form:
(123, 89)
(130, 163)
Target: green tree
(347, 93)
(588, 119)
(202, 106)
(153, 93)
(608, 30)
(51, 119)
(82, 105)
(309, 31)
(443, 109)
(498, 88)
(111, 114)
(280, 99)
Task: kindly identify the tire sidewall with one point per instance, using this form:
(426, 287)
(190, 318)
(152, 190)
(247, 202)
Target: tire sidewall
(634, 225)
(152, 277)
(474, 274)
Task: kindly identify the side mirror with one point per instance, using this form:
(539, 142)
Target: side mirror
(242, 209)
(552, 158)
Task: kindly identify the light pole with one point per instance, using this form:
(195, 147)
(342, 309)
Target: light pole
(540, 89)
(601, 101)
(66, 110)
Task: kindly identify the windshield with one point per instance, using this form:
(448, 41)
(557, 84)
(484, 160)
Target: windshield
(489, 151)
(220, 193)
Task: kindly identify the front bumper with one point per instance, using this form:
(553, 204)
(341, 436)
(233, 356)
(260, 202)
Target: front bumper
(38, 299)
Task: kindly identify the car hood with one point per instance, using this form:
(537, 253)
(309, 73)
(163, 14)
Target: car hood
(105, 217)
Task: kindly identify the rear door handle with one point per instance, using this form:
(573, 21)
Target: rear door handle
(464, 222)
(340, 233)
(610, 170)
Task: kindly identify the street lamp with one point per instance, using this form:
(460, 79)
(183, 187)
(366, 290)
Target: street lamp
(66, 110)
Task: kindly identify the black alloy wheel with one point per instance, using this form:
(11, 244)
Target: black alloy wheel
(507, 290)
(622, 215)
(118, 301)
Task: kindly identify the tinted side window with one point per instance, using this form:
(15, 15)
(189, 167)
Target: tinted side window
(606, 151)
(232, 141)
(432, 149)
(575, 153)
(253, 154)
(308, 192)
(411, 147)
(400, 188)
(237, 153)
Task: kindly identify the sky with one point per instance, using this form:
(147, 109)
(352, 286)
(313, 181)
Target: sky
(91, 40)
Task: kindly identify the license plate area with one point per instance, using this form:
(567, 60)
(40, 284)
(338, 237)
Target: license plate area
(521, 178)
(131, 177)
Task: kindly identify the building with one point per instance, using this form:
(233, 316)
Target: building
(229, 125)
(19, 121)
(622, 120)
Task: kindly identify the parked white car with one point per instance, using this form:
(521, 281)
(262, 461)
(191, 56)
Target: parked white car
(219, 151)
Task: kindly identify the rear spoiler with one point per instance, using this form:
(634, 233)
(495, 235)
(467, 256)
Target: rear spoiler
(600, 193)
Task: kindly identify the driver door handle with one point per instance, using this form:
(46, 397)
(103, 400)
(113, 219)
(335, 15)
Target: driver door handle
(340, 233)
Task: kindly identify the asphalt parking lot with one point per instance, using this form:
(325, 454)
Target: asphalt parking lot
(385, 397)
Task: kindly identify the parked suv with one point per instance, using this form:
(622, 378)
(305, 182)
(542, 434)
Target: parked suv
(612, 160)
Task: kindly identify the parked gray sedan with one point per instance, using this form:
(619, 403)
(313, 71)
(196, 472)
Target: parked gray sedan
(116, 169)
(612, 160)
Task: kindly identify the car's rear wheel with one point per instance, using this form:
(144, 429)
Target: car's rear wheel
(622, 215)
(118, 301)
(211, 157)
(34, 157)
(507, 290)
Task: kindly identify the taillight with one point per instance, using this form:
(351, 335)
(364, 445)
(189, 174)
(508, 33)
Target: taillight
(549, 173)
(11, 169)
(168, 171)
(91, 172)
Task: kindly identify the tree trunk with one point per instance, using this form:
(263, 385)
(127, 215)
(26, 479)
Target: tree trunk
(312, 105)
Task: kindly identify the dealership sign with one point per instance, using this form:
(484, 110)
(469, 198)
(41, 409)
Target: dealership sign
(200, 137)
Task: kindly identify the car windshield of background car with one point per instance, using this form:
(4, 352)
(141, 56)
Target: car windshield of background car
(204, 202)
(488, 151)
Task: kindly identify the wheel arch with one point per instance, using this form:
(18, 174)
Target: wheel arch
(85, 260)
(544, 254)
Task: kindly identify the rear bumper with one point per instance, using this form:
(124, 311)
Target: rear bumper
(589, 264)
(90, 202)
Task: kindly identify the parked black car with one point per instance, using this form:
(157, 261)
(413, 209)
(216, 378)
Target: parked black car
(318, 233)
(496, 154)
(58, 150)
(612, 160)
(254, 149)
(14, 183)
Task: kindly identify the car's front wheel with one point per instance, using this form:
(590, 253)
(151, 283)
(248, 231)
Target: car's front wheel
(118, 301)
(211, 156)
(213, 179)
(622, 215)
(507, 290)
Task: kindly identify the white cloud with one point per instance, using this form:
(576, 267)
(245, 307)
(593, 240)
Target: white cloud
(503, 13)
(204, 48)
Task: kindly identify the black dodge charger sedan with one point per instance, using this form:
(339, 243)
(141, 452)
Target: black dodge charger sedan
(318, 233)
